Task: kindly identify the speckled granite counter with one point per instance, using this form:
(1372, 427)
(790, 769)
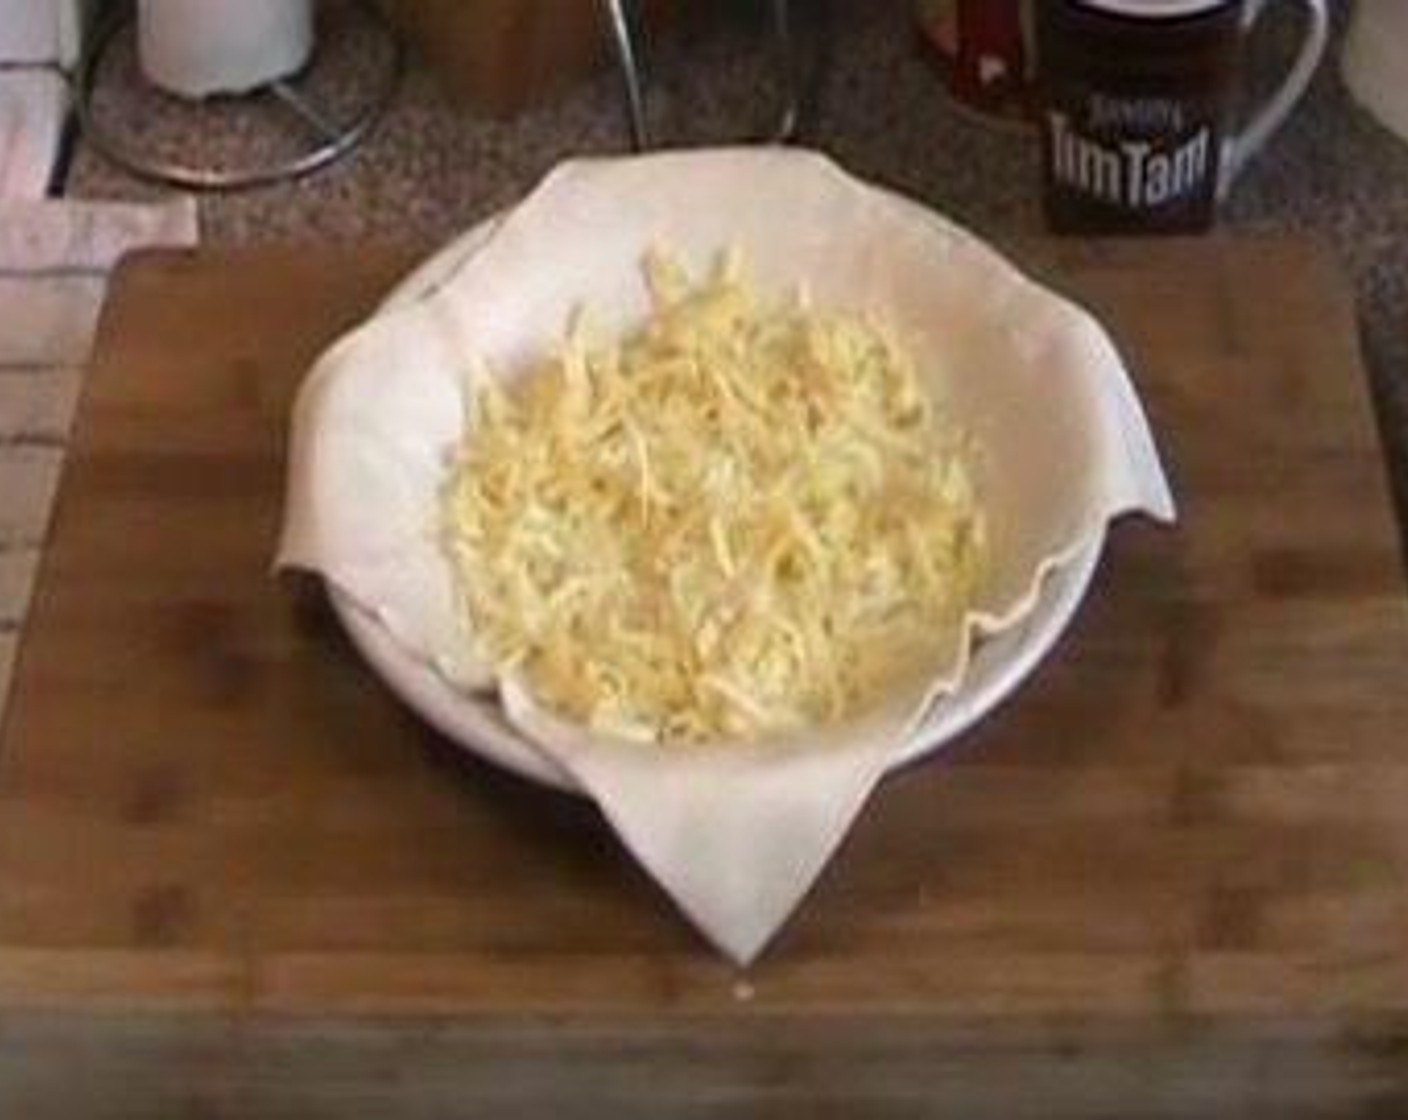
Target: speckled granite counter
(432, 168)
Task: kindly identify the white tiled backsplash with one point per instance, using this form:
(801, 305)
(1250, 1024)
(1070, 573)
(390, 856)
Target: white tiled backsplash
(33, 104)
(36, 36)
(41, 31)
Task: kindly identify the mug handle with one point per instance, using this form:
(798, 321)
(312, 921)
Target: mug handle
(1273, 114)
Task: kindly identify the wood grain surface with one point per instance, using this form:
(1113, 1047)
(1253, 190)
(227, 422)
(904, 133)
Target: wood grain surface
(1170, 878)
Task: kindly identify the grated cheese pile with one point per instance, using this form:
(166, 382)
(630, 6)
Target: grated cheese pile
(742, 520)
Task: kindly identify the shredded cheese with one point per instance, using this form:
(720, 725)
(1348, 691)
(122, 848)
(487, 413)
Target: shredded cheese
(741, 520)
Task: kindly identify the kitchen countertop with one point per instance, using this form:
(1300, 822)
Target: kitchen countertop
(432, 168)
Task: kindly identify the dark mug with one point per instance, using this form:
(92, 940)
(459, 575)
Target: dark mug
(1136, 105)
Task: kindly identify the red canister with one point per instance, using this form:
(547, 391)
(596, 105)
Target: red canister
(984, 48)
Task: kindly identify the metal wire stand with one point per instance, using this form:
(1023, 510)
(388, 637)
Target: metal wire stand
(329, 139)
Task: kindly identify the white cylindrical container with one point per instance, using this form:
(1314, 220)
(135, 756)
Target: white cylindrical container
(1376, 61)
(195, 48)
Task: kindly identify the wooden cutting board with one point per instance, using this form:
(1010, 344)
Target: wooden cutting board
(1169, 879)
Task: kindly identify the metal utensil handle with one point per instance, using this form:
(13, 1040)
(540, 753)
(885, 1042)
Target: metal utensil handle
(624, 40)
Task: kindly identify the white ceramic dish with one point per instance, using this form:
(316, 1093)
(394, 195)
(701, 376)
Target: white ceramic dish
(998, 667)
